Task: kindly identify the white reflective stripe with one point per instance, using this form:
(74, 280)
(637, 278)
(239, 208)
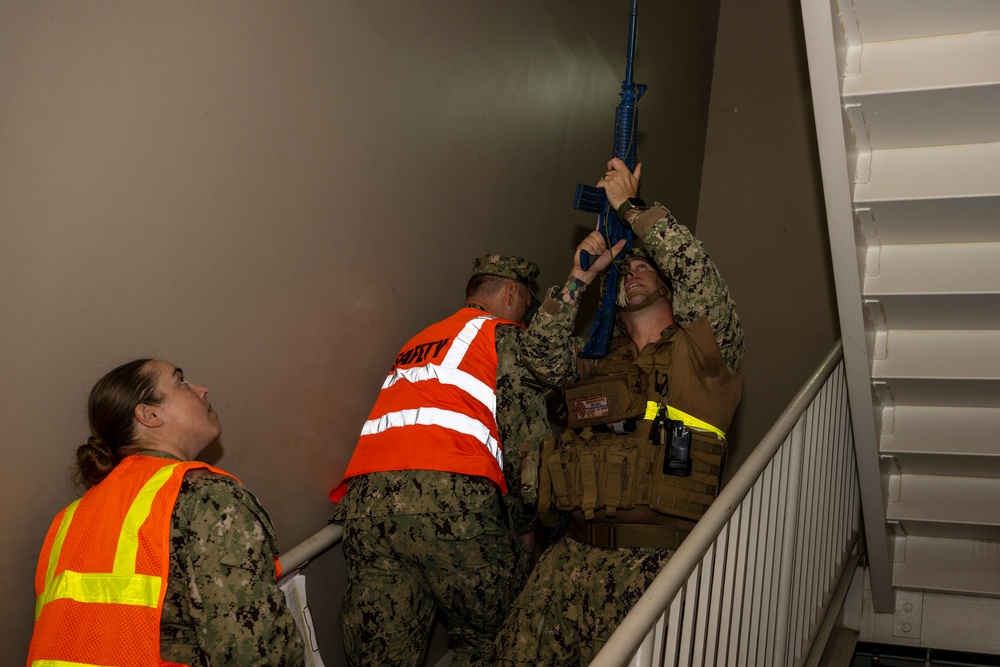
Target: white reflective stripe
(448, 419)
(447, 371)
(451, 376)
(62, 663)
(463, 340)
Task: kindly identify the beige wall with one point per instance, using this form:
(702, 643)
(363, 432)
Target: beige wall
(275, 195)
(761, 214)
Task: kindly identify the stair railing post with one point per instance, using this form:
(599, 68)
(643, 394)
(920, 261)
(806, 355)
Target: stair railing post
(795, 444)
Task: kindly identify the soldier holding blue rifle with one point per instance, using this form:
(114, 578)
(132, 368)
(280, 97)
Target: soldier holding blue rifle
(642, 453)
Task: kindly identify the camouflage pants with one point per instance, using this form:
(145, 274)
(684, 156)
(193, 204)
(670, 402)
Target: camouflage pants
(576, 597)
(403, 569)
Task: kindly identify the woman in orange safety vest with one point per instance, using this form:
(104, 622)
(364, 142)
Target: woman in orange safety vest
(164, 560)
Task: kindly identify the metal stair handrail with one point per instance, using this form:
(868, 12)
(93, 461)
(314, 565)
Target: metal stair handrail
(625, 644)
(639, 638)
(299, 556)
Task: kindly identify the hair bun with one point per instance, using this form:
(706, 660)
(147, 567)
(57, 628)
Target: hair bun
(94, 459)
(98, 443)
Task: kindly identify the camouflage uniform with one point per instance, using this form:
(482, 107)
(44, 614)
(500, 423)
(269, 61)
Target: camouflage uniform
(222, 605)
(578, 594)
(420, 542)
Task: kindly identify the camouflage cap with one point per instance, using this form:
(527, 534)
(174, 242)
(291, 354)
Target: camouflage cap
(515, 268)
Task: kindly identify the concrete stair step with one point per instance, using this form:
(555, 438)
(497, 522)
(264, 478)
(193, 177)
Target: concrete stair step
(902, 89)
(947, 565)
(928, 172)
(936, 440)
(937, 354)
(943, 499)
(942, 269)
(941, 219)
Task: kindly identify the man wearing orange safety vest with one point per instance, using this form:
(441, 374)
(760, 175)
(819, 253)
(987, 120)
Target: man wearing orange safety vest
(437, 517)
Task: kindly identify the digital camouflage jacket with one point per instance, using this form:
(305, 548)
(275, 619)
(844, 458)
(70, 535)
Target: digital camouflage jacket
(222, 604)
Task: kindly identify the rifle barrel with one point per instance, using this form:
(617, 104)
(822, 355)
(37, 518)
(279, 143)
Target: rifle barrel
(630, 56)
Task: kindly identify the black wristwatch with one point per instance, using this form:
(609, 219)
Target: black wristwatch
(630, 204)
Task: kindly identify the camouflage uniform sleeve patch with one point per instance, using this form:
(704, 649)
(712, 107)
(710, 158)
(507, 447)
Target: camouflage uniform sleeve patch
(699, 290)
(549, 348)
(224, 548)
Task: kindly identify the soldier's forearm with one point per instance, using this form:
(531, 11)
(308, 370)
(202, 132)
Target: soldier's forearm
(699, 289)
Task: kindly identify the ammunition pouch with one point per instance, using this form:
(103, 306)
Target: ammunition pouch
(690, 496)
(530, 459)
(594, 476)
(545, 500)
(625, 452)
(597, 474)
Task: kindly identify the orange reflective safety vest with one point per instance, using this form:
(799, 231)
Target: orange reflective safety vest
(102, 573)
(437, 408)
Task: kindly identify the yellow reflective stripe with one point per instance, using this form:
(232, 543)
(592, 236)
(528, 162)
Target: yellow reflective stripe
(652, 408)
(128, 541)
(139, 590)
(693, 422)
(57, 544)
(62, 663)
(122, 585)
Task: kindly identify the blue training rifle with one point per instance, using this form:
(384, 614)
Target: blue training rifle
(593, 200)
